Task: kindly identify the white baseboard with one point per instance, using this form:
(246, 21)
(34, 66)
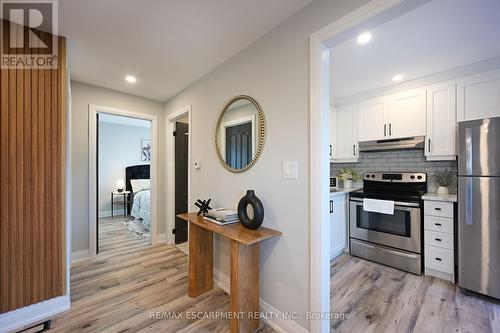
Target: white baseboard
(33, 314)
(80, 255)
(277, 320)
(162, 238)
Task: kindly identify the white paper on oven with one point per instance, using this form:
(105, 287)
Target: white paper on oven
(378, 206)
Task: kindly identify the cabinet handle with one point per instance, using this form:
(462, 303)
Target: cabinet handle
(438, 259)
(437, 208)
(385, 129)
(437, 224)
(331, 206)
(331, 151)
(438, 239)
(429, 145)
(390, 129)
(354, 150)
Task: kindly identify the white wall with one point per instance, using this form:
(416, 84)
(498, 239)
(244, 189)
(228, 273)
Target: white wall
(275, 71)
(119, 147)
(83, 95)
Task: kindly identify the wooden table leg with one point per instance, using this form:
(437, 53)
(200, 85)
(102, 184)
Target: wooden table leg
(245, 267)
(201, 260)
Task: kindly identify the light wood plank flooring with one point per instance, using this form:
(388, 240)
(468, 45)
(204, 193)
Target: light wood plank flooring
(382, 299)
(131, 279)
(114, 236)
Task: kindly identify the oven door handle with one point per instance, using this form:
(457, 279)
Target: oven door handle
(359, 201)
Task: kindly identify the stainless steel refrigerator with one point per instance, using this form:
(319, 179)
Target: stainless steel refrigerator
(479, 206)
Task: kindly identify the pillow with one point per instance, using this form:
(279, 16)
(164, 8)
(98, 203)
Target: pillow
(140, 184)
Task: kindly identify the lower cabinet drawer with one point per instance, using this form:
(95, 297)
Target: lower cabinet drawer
(440, 224)
(438, 239)
(439, 259)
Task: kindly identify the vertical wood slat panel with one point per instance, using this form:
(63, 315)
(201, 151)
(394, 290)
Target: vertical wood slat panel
(32, 244)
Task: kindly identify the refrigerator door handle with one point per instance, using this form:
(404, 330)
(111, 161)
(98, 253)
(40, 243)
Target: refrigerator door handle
(468, 201)
(468, 151)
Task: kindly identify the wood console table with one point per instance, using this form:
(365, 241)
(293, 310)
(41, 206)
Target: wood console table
(245, 266)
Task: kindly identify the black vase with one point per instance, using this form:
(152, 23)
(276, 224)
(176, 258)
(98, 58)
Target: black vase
(258, 211)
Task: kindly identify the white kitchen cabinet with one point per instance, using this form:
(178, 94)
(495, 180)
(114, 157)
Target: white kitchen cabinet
(333, 131)
(478, 96)
(338, 223)
(372, 119)
(441, 122)
(439, 239)
(345, 140)
(405, 116)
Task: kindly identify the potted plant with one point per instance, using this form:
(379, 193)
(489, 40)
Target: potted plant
(348, 176)
(444, 180)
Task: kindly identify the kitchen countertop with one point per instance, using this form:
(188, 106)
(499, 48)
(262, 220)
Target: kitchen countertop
(440, 197)
(343, 191)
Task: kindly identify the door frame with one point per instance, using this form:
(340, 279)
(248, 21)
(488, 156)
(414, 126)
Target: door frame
(170, 166)
(93, 111)
(319, 170)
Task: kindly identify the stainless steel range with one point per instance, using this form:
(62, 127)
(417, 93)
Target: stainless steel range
(392, 238)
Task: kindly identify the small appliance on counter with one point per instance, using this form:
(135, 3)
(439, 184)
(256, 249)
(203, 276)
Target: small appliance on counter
(334, 183)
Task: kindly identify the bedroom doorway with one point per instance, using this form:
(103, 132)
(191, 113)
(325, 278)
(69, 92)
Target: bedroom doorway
(122, 180)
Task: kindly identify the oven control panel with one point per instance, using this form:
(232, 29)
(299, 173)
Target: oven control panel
(396, 177)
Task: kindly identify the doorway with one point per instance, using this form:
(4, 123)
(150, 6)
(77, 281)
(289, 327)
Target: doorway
(181, 135)
(122, 179)
(178, 162)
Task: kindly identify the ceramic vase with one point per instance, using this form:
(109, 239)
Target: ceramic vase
(258, 211)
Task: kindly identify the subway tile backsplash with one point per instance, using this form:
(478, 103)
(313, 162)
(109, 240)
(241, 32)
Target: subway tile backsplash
(399, 160)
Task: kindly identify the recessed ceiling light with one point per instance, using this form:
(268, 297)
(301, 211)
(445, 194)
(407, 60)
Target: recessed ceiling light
(397, 77)
(364, 38)
(130, 79)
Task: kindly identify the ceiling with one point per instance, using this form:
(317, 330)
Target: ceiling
(122, 120)
(437, 36)
(167, 45)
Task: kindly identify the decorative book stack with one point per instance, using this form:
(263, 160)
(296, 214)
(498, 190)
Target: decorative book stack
(222, 216)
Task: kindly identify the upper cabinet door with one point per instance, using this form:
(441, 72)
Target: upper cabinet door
(478, 96)
(406, 114)
(441, 122)
(346, 140)
(371, 120)
(333, 132)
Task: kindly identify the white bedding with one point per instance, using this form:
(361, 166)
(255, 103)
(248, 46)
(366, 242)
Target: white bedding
(141, 208)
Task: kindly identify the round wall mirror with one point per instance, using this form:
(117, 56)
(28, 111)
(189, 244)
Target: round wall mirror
(240, 133)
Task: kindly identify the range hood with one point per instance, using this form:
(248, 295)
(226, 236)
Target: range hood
(416, 142)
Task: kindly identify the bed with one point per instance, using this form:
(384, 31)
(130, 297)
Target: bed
(139, 206)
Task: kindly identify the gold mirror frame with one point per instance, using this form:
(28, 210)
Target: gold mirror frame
(261, 138)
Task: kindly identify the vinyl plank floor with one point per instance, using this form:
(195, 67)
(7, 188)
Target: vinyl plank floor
(369, 297)
(129, 281)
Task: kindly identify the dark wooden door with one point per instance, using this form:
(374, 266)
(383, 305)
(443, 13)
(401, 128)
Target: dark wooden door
(181, 181)
(239, 145)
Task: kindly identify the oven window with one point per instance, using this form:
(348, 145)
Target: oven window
(397, 224)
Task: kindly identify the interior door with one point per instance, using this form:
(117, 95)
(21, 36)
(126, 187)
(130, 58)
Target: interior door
(371, 120)
(239, 145)
(181, 181)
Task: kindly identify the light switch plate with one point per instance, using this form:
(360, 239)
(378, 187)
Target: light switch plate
(290, 170)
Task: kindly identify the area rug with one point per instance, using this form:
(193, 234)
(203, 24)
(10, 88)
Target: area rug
(137, 228)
